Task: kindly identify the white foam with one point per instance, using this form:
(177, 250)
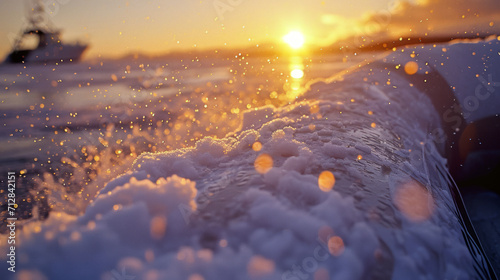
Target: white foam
(267, 226)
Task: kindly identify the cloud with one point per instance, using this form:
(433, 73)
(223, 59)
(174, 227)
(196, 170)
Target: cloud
(441, 17)
(421, 18)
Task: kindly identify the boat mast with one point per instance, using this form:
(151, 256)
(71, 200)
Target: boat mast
(35, 19)
(38, 17)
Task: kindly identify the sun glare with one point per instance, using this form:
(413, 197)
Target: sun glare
(297, 73)
(294, 39)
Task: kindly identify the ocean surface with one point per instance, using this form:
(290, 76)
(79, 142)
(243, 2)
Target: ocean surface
(58, 118)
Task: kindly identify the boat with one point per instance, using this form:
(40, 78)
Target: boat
(40, 42)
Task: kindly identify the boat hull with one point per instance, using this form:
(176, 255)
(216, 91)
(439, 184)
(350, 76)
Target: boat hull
(50, 54)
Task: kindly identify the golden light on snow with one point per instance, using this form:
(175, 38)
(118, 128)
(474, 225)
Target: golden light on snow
(293, 93)
(259, 266)
(314, 109)
(297, 73)
(414, 201)
(336, 246)
(263, 163)
(326, 181)
(411, 67)
(293, 87)
(360, 157)
(196, 276)
(294, 39)
(158, 227)
(373, 125)
(257, 146)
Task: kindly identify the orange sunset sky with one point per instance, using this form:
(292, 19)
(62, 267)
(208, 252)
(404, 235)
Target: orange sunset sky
(117, 27)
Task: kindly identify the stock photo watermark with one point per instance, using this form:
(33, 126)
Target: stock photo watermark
(454, 116)
(223, 6)
(121, 275)
(11, 220)
(310, 264)
(239, 180)
(379, 21)
(38, 16)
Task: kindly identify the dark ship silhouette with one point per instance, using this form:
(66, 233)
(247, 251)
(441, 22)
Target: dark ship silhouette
(41, 43)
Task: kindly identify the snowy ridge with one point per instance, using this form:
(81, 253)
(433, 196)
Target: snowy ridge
(211, 212)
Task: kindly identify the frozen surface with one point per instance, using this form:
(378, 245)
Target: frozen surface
(213, 212)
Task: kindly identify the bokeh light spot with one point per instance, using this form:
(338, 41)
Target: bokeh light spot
(414, 201)
(336, 246)
(30, 275)
(263, 163)
(321, 274)
(223, 243)
(75, 236)
(196, 276)
(326, 181)
(259, 267)
(257, 146)
(411, 67)
(158, 227)
(149, 255)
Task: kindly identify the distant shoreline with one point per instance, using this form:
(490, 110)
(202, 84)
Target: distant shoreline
(268, 49)
(407, 41)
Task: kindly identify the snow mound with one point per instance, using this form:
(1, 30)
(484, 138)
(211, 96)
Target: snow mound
(225, 209)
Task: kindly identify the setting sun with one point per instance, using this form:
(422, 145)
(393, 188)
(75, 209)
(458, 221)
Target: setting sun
(294, 39)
